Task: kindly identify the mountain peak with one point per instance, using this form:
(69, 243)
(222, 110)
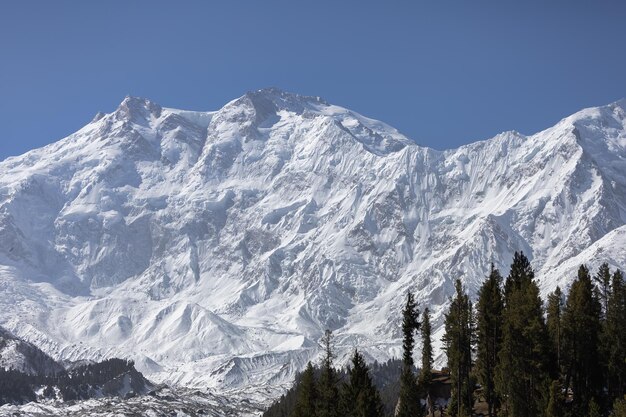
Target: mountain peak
(273, 99)
(138, 108)
(98, 116)
(620, 103)
(263, 108)
(615, 110)
(279, 94)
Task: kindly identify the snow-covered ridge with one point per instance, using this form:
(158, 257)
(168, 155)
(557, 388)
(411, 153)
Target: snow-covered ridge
(17, 354)
(214, 248)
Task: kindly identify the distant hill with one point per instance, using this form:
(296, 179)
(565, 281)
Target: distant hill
(27, 374)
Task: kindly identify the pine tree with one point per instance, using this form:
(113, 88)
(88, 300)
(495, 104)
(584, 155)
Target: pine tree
(489, 331)
(581, 324)
(554, 319)
(306, 399)
(328, 394)
(458, 340)
(556, 402)
(521, 272)
(409, 401)
(523, 373)
(602, 280)
(425, 376)
(359, 396)
(614, 338)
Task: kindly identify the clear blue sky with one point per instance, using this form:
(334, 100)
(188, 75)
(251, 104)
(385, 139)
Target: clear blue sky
(443, 72)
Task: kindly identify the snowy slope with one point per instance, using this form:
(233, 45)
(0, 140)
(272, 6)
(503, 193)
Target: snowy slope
(19, 355)
(214, 248)
(163, 401)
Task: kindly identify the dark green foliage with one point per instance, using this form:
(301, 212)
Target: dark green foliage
(425, 376)
(614, 338)
(523, 374)
(586, 336)
(306, 394)
(458, 342)
(384, 377)
(85, 381)
(611, 348)
(410, 325)
(315, 393)
(554, 323)
(359, 396)
(16, 387)
(581, 326)
(521, 272)
(556, 403)
(409, 401)
(489, 335)
(328, 393)
(284, 406)
(80, 383)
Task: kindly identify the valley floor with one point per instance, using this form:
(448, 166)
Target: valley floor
(164, 401)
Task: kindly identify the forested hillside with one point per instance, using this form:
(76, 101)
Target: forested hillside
(509, 353)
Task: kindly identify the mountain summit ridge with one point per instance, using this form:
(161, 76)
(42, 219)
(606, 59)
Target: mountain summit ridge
(214, 248)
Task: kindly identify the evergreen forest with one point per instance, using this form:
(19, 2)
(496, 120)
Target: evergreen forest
(509, 353)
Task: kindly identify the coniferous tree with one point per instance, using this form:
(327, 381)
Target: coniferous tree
(359, 396)
(425, 376)
(614, 338)
(521, 272)
(523, 373)
(489, 335)
(458, 340)
(581, 324)
(328, 394)
(409, 402)
(602, 280)
(557, 402)
(592, 318)
(306, 396)
(554, 322)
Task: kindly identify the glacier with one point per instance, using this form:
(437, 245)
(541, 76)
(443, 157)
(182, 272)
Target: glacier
(214, 248)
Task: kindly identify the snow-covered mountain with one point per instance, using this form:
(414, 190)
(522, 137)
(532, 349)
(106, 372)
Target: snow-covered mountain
(19, 355)
(214, 248)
